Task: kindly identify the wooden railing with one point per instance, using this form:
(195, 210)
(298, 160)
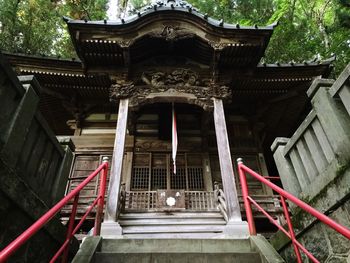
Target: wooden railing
(147, 201)
(140, 200)
(200, 201)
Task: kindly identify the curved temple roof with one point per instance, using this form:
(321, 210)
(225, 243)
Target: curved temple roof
(166, 25)
(170, 5)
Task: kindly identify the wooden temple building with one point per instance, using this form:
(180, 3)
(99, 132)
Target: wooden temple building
(116, 100)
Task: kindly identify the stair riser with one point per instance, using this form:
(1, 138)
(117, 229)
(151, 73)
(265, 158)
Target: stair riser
(176, 246)
(172, 229)
(178, 258)
(170, 222)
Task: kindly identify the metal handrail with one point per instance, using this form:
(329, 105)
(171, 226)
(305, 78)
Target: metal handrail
(99, 201)
(248, 200)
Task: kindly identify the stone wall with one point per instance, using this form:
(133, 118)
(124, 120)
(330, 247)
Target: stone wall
(323, 242)
(33, 168)
(314, 165)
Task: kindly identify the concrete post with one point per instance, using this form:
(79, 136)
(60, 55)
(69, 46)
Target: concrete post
(285, 169)
(332, 116)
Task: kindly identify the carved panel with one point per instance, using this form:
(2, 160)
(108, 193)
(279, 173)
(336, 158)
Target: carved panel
(178, 77)
(172, 33)
(170, 200)
(180, 85)
(122, 90)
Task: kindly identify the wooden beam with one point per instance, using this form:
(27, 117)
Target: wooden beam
(117, 162)
(227, 174)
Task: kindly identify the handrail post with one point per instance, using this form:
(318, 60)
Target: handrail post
(70, 227)
(291, 229)
(245, 194)
(101, 196)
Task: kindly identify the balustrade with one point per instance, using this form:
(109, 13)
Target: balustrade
(321, 144)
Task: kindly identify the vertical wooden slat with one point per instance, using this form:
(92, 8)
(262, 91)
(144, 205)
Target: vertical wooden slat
(186, 172)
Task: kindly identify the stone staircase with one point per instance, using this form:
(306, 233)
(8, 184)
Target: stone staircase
(172, 225)
(175, 237)
(129, 250)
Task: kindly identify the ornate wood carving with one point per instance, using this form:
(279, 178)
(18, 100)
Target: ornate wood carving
(217, 46)
(173, 33)
(125, 43)
(122, 90)
(180, 85)
(178, 77)
(152, 145)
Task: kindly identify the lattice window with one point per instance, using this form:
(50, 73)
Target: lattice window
(140, 178)
(152, 172)
(159, 176)
(178, 180)
(195, 178)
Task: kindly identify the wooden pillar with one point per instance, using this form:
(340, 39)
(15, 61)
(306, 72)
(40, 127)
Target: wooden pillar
(226, 168)
(208, 181)
(110, 227)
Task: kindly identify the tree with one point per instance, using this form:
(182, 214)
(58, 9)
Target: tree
(36, 26)
(307, 28)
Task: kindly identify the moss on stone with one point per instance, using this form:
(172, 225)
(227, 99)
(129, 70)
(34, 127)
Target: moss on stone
(342, 168)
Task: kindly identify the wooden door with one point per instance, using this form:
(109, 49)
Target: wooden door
(82, 167)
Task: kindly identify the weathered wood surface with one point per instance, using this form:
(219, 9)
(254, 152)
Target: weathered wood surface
(198, 201)
(233, 211)
(84, 165)
(117, 162)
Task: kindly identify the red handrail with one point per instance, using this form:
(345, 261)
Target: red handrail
(26, 235)
(248, 200)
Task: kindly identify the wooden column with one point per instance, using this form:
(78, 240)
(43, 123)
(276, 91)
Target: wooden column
(110, 227)
(228, 180)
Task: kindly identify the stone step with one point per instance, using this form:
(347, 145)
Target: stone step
(251, 257)
(173, 229)
(199, 235)
(254, 249)
(176, 246)
(170, 215)
(171, 221)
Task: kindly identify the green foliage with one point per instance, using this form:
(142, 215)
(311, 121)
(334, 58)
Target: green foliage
(306, 28)
(36, 26)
